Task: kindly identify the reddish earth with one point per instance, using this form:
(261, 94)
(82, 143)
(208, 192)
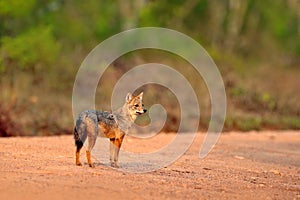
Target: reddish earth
(255, 165)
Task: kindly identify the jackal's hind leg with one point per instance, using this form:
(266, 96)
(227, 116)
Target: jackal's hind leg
(92, 141)
(78, 163)
(79, 143)
(88, 156)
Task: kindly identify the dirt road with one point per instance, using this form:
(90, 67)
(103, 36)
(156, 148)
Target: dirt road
(256, 165)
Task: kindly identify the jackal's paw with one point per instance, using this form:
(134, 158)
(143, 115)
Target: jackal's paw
(78, 164)
(114, 164)
(92, 165)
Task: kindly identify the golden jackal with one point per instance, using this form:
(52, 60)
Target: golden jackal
(113, 125)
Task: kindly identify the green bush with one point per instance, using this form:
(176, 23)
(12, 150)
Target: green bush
(291, 122)
(249, 123)
(36, 46)
(16, 8)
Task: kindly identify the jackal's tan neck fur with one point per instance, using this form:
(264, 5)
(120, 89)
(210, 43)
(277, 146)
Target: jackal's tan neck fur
(123, 118)
(125, 114)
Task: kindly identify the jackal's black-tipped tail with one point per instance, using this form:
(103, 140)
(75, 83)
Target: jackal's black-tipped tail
(78, 141)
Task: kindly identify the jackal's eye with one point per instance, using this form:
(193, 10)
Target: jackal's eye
(136, 105)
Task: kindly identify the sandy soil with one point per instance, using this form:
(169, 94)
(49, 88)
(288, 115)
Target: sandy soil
(256, 165)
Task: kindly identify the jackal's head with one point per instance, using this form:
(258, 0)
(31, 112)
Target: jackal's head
(135, 105)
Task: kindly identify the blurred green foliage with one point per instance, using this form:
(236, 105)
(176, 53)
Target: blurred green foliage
(16, 8)
(256, 45)
(35, 46)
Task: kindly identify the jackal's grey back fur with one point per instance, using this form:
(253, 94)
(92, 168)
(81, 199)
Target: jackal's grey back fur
(91, 118)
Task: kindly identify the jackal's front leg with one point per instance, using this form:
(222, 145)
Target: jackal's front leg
(117, 146)
(112, 151)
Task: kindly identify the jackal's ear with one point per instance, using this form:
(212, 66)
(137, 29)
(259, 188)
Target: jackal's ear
(128, 97)
(140, 96)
